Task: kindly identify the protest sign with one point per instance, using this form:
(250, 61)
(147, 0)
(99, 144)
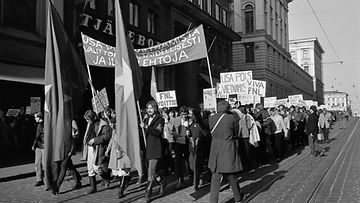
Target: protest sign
(295, 99)
(187, 47)
(235, 77)
(220, 92)
(316, 103)
(166, 99)
(28, 110)
(269, 102)
(232, 98)
(209, 96)
(308, 103)
(98, 53)
(35, 104)
(13, 112)
(248, 99)
(281, 102)
(100, 101)
(256, 87)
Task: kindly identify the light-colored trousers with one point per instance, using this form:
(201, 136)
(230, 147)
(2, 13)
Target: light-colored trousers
(92, 168)
(39, 163)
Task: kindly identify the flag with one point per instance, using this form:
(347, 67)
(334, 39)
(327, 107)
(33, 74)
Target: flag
(153, 87)
(127, 81)
(65, 83)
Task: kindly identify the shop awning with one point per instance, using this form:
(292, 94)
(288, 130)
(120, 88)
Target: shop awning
(22, 73)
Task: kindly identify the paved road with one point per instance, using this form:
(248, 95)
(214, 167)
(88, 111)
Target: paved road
(299, 178)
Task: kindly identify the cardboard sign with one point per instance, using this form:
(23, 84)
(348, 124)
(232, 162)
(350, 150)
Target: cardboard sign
(13, 112)
(166, 99)
(256, 87)
(35, 104)
(209, 96)
(235, 77)
(101, 101)
(308, 103)
(187, 47)
(98, 53)
(250, 87)
(28, 110)
(281, 102)
(219, 91)
(269, 102)
(295, 99)
(248, 99)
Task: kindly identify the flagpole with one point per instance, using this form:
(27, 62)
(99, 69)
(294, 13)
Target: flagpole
(92, 87)
(189, 27)
(141, 119)
(212, 43)
(211, 80)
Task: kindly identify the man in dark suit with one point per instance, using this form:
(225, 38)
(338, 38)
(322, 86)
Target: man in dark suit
(312, 130)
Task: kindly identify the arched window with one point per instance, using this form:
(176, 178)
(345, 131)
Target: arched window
(249, 18)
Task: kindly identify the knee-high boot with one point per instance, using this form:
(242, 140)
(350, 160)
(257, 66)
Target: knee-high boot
(92, 188)
(149, 191)
(124, 183)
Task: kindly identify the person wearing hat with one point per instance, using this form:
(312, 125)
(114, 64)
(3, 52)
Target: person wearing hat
(38, 147)
(312, 130)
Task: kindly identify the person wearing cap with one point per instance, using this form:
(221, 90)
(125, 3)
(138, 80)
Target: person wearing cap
(38, 147)
(312, 130)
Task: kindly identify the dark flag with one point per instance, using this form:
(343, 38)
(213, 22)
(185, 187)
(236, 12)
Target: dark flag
(65, 83)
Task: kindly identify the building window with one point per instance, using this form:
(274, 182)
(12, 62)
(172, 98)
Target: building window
(18, 14)
(92, 4)
(134, 14)
(306, 69)
(305, 53)
(217, 12)
(151, 22)
(208, 6)
(249, 18)
(111, 8)
(249, 52)
(225, 17)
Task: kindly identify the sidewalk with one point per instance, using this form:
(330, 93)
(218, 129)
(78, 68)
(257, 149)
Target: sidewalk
(28, 170)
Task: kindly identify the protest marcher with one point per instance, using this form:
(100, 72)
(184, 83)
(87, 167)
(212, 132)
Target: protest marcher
(181, 126)
(38, 147)
(224, 159)
(154, 127)
(96, 140)
(324, 123)
(293, 127)
(67, 163)
(119, 162)
(312, 130)
(281, 130)
(197, 145)
(287, 136)
(168, 128)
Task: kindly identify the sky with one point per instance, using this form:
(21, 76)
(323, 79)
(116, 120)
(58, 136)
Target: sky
(341, 22)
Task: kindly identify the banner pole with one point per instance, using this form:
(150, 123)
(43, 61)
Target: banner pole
(211, 80)
(92, 87)
(212, 43)
(141, 119)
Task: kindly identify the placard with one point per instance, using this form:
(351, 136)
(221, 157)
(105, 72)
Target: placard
(28, 110)
(295, 99)
(235, 77)
(250, 87)
(281, 102)
(166, 99)
(248, 99)
(209, 96)
(35, 104)
(269, 102)
(13, 112)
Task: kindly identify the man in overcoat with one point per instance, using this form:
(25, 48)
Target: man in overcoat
(224, 157)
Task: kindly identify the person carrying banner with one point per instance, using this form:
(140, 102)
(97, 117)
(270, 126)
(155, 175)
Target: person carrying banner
(154, 127)
(96, 139)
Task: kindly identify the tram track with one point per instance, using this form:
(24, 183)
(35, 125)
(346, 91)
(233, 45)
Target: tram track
(293, 163)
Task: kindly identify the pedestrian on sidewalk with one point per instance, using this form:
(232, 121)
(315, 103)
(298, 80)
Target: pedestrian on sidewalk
(96, 140)
(279, 134)
(324, 123)
(154, 128)
(67, 163)
(38, 147)
(224, 159)
(312, 129)
(119, 162)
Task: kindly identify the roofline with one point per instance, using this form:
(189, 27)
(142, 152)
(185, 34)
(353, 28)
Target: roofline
(308, 39)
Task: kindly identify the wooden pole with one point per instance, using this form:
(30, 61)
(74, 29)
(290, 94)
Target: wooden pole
(209, 68)
(141, 119)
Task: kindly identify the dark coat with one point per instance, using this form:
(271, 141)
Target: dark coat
(224, 152)
(312, 125)
(153, 134)
(101, 141)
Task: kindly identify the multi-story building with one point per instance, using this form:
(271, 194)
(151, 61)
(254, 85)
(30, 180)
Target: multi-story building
(23, 30)
(264, 48)
(337, 101)
(149, 22)
(307, 53)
